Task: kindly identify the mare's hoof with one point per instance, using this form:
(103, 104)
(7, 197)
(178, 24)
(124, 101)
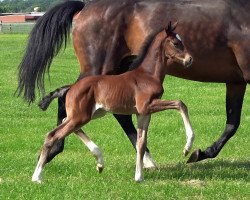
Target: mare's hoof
(99, 167)
(195, 156)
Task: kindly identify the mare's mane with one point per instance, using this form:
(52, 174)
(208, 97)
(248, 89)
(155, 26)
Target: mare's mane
(143, 50)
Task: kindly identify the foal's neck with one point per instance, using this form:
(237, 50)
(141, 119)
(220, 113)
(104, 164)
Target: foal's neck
(153, 62)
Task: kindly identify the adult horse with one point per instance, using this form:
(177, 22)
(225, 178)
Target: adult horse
(108, 33)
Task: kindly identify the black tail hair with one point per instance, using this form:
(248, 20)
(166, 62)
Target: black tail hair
(45, 41)
(59, 92)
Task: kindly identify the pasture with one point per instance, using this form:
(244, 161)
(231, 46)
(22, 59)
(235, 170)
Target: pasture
(72, 174)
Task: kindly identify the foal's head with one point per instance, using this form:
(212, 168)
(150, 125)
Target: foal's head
(174, 49)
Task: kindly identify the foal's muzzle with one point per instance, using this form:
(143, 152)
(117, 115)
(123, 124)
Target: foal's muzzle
(187, 61)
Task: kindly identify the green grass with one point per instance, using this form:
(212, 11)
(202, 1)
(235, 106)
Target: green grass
(72, 174)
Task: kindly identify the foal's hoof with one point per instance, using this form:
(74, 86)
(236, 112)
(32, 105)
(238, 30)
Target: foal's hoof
(194, 156)
(39, 181)
(138, 179)
(99, 167)
(185, 152)
(148, 162)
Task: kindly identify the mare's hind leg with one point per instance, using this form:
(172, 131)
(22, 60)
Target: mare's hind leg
(57, 134)
(127, 125)
(94, 149)
(234, 100)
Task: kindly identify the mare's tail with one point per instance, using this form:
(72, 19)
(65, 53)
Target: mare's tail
(46, 38)
(59, 92)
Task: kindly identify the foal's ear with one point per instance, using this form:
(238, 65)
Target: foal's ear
(174, 25)
(171, 27)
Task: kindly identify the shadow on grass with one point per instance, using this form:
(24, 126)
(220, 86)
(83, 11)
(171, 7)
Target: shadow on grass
(216, 169)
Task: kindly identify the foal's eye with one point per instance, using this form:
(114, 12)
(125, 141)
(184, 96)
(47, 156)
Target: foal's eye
(175, 44)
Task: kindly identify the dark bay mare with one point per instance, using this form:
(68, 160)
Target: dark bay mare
(107, 35)
(134, 92)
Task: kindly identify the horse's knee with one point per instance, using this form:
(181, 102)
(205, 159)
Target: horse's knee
(143, 110)
(49, 142)
(182, 106)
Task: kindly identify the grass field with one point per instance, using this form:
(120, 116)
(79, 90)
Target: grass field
(72, 174)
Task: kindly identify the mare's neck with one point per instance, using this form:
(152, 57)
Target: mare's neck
(153, 63)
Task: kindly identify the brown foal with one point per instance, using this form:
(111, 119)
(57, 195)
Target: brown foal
(135, 92)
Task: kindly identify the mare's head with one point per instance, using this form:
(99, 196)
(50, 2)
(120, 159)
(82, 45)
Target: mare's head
(174, 50)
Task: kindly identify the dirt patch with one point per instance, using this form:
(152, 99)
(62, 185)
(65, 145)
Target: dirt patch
(194, 183)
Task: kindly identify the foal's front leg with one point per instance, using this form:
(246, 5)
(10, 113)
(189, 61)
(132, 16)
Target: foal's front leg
(127, 125)
(160, 105)
(143, 122)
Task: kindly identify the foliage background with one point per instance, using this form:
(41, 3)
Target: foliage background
(8, 6)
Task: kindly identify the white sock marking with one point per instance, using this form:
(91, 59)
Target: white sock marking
(189, 133)
(94, 149)
(37, 173)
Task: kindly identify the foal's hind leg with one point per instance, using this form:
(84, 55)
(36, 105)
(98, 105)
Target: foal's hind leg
(57, 134)
(94, 149)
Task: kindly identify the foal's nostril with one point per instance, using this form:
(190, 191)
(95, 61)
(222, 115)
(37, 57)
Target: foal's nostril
(189, 61)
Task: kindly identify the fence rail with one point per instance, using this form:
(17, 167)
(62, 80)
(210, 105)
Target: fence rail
(16, 27)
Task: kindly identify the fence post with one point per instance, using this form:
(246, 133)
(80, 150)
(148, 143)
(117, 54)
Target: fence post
(1, 26)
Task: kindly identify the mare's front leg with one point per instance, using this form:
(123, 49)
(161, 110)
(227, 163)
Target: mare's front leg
(234, 100)
(143, 122)
(127, 125)
(94, 149)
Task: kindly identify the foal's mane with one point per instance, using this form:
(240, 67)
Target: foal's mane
(144, 50)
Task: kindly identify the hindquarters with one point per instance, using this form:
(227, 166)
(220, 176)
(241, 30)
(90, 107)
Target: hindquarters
(80, 102)
(98, 37)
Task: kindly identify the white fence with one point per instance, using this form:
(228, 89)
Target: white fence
(16, 27)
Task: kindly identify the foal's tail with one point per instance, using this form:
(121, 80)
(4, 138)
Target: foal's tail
(59, 92)
(47, 37)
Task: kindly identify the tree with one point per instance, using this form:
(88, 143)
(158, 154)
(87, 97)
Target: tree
(26, 5)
